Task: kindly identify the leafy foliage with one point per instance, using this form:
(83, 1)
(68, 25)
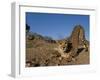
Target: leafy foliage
(27, 28)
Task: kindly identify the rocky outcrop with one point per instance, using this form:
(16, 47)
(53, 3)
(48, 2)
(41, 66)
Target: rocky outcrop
(78, 40)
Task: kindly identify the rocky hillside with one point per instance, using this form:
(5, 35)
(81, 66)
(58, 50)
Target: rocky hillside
(40, 50)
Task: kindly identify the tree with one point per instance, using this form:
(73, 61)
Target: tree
(27, 28)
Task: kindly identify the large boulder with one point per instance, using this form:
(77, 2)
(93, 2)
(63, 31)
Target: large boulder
(77, 39)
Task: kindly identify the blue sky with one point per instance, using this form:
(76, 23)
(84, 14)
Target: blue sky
(56, 26)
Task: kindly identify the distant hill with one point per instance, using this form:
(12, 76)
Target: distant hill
(32, 36)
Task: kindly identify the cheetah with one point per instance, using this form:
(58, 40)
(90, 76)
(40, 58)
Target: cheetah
(63, 48)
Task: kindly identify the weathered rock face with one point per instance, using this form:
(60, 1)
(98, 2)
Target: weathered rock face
(77, 38)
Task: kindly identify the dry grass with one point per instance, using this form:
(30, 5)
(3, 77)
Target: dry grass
(42, 53)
